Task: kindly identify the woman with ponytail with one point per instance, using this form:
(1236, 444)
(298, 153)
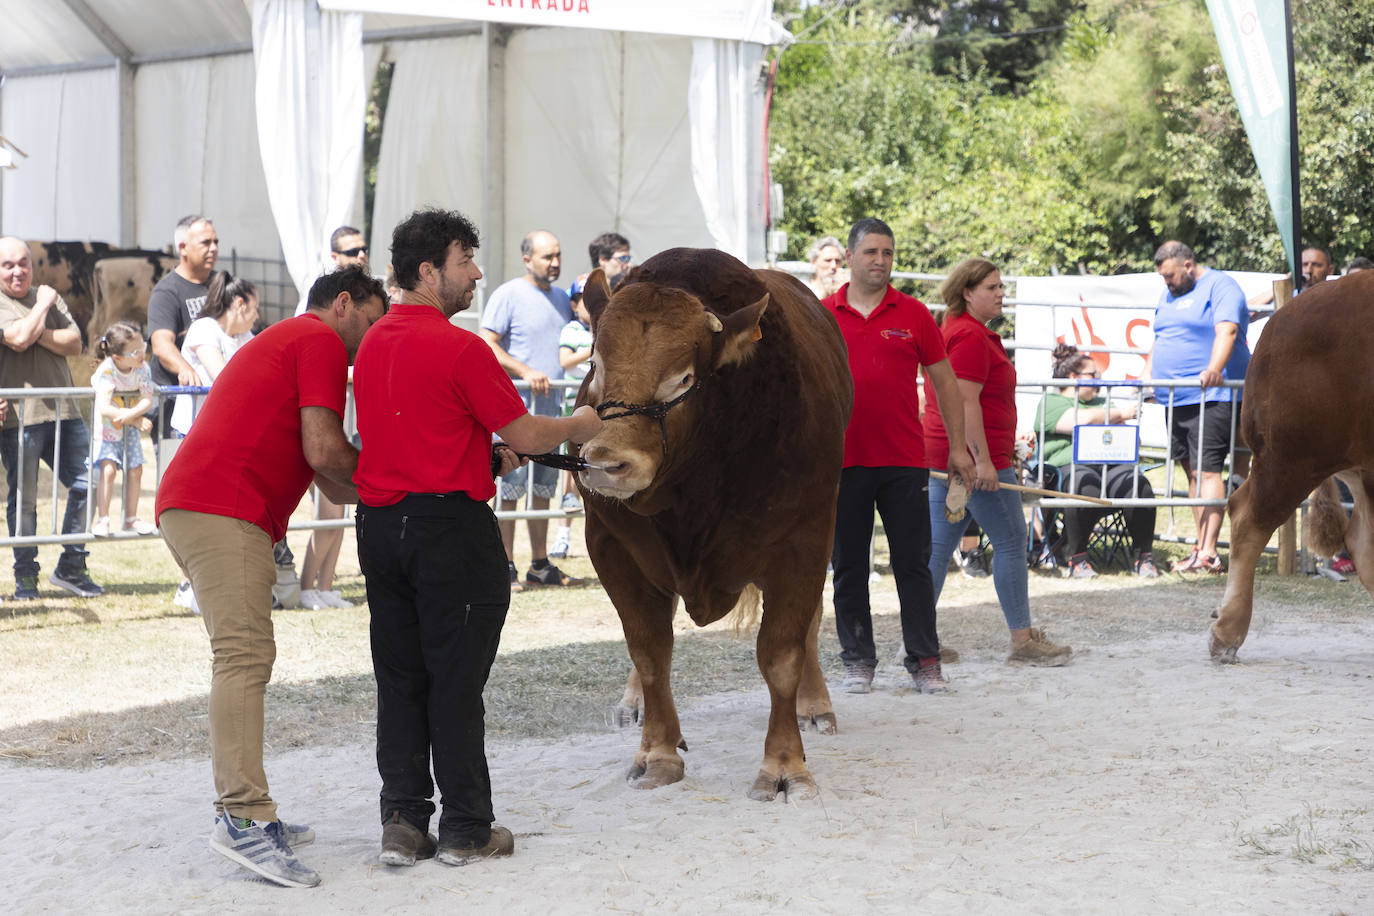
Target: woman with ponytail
(225, 324)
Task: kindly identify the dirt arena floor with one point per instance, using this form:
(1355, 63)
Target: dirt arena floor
(1140, 778)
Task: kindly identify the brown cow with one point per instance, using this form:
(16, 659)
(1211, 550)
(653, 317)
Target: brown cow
(725, 393)
(122, 283)
(74, 269)
(1307, 413)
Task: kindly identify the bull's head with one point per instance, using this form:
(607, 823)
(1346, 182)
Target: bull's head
(656, 346)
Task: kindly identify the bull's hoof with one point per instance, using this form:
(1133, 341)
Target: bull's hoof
(797, 787)
(623, 716)
(823, 723)
(656, 773)
(1222, 653)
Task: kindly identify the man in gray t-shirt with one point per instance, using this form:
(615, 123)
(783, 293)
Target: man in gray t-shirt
(522, 322)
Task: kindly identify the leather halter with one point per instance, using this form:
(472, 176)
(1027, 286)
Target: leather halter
(657, 411)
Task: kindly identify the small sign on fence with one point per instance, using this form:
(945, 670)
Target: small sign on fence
(1106, 444)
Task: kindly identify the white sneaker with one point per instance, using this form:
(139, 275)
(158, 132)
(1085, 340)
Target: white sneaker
(561, 545)
(101, 527)
(312, 600)
(186, 597)
(261, 847)
(138, 526)
(332, 598)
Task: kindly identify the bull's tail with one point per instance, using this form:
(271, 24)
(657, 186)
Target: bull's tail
(746, 612)
(1326, 520)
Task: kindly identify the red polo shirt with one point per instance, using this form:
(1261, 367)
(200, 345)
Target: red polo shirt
(886, 350)
(976, 354)
(429, 396)
(243, 457)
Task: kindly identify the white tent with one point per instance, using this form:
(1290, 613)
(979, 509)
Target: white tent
(578, 116)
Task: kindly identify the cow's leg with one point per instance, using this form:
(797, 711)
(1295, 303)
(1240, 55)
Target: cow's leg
(813, 698)
(646, 614)
(782, 648)
(630, 709)
(1257, 509)
(1359, 534)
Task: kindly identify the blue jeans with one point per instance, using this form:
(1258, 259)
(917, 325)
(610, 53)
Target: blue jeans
(999, 513)
(73, 472)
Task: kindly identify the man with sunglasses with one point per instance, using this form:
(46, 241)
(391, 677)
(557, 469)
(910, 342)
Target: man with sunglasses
(347, 248)
(611, 252)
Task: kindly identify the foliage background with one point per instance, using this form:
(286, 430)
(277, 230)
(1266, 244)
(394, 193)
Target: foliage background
(1049, 135)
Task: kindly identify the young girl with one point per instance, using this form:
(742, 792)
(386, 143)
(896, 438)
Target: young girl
(124, 368)
(225, 324)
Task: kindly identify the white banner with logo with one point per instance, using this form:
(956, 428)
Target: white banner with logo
(740, 20)
(1070, 309)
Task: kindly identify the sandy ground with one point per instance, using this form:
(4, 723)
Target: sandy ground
(1141, 778)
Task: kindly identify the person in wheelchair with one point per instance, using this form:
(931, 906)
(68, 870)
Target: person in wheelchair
(1057, 414)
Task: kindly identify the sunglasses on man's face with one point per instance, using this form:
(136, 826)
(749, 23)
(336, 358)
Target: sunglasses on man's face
(623, 258)
(353, 252)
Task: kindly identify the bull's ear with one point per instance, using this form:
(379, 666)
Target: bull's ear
(596, 292)
(739, 332)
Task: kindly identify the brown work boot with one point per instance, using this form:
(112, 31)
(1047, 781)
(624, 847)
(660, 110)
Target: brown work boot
(502, 843)
(1037, 650)
(403, 843)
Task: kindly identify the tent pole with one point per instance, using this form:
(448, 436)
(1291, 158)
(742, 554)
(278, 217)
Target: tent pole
(1295, 152)
(494, 38)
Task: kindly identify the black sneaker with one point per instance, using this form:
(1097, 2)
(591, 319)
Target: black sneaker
(550, 575)
(25, 588)
(973, 563)
(77, 582)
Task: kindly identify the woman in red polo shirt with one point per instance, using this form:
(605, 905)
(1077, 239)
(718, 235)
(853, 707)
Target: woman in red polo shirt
(987, 379)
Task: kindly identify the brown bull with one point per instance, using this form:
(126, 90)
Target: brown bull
(725, 393)
(1307, 414)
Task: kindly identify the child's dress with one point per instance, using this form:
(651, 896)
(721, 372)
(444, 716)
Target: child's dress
(122, 446)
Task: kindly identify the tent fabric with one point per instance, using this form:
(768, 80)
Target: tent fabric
(736, 20)
(197, 141)
(596, 125)
(613, 154)
(45, 33)
(68, 186)
(721, 75)
(310, 103)
(431, 152)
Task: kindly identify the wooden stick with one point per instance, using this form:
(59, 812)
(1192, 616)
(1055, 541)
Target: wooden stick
(1038, 491)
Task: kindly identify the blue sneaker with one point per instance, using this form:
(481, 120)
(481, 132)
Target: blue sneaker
(25, 588)
(76, 581)
(261, 847)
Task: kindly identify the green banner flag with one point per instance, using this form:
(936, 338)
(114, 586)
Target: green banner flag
(1256, 46)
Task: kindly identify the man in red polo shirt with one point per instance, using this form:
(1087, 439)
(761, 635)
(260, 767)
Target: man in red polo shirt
(890, 337)
(430, 395)
(271, 425)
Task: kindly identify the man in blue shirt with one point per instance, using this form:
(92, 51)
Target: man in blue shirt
(521, 323)
(1200, 324)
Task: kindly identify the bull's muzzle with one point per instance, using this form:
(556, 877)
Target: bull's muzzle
(616, 473)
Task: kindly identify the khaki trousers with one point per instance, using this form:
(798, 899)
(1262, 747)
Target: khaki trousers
(230, 566)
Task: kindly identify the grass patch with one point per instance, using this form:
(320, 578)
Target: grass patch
(1338, 840)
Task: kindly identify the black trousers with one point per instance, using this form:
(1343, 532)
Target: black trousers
(899, 493)
(1079, 523)
(438, 592)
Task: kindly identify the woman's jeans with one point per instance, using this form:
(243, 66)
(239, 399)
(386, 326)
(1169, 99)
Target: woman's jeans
(1001, 516)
